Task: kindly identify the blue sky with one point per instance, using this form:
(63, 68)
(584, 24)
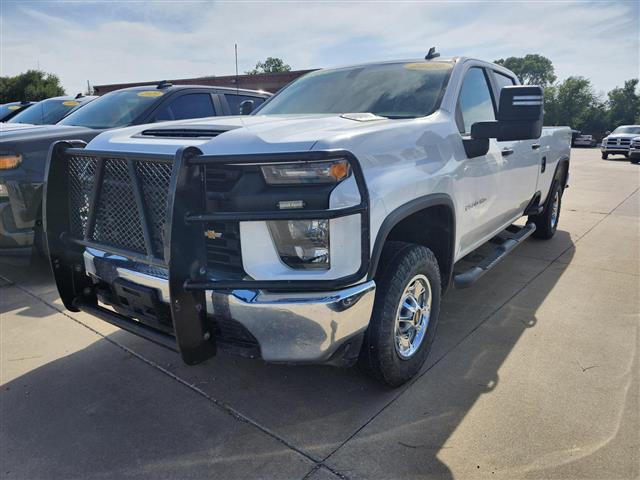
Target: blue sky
(125, 41)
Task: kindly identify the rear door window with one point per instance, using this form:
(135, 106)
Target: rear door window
(502, 80)
(235, 101)
(190, 105)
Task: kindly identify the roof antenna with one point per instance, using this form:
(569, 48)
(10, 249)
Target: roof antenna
(432, 54)
(80, 95)
(164, 84)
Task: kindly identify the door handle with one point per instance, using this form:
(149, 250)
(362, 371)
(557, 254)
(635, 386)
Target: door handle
(506, 152)
(535, 146)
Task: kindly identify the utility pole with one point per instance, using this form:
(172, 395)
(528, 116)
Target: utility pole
(237, 86)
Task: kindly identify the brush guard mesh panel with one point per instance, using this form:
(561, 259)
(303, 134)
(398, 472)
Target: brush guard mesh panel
(118, 221)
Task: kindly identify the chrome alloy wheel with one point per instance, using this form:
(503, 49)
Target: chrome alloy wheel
(412, 316)
(555, 208)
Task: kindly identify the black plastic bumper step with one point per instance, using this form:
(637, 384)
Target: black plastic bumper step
(469, 277)
(129, 325)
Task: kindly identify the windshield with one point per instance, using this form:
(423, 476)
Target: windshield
(395, 90)
(8, 108)
(115, 109)
(634, 130)
(46, 112)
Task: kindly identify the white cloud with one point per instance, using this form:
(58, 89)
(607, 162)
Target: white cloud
(122, 42)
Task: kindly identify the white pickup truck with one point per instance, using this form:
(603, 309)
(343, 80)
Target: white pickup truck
(323, 228)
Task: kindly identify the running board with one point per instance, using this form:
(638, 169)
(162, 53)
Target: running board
(468, 278)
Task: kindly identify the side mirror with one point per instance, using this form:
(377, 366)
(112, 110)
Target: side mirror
(246, 107)
(520, 113)
(608, 132)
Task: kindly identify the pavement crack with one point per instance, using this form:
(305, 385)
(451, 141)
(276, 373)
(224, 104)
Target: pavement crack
(427, 447)
(584, 369)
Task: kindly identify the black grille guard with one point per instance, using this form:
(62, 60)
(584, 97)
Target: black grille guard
(184, 254)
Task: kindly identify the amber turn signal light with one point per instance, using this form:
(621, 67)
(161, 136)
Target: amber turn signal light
(340, 170)
(8, 162)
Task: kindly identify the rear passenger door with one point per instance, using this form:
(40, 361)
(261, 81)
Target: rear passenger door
(185, 106)
(521, 160)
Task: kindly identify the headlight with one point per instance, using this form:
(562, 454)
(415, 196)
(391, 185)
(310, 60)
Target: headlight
(302, 244)
(10, 161)
(306, 172)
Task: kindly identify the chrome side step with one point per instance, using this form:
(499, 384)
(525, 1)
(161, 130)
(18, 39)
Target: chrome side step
(469, 277)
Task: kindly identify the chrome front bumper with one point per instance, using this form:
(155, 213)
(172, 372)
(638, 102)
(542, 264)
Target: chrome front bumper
(289, 327)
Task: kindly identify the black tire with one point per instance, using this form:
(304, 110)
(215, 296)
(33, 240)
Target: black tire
(634, 159)
(605, 156)
(546, 225)
(400, 263)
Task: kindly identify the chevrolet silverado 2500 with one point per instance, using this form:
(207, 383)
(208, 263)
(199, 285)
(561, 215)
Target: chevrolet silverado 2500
(323, 228)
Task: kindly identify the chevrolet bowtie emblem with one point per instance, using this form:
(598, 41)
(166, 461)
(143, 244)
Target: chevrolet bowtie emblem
(212, 234)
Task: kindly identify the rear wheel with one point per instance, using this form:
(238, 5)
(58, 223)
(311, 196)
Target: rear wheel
(547, 221)
(405, 314)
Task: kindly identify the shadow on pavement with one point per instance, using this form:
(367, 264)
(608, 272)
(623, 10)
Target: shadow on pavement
(101, 410)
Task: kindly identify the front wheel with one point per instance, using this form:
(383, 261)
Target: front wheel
(605, 156)
(405, 314)
(634, 159)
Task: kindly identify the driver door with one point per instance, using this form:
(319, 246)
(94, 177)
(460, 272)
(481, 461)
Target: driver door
(480, 199)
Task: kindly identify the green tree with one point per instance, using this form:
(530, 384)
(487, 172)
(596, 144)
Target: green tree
(270, 65)
(624, 104)
(32, 85)
(532, 69)
(573, 103)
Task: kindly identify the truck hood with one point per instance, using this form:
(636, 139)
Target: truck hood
(240, 134)
(613, 136)
(23, 132)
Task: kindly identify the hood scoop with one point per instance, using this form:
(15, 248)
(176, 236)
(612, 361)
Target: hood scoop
(181, 132)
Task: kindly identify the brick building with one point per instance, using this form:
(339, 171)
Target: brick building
(270, 82)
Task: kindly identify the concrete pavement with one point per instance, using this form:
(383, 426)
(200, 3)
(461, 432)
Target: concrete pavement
(534, 374)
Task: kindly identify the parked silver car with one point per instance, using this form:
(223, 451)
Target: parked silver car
(585, 141)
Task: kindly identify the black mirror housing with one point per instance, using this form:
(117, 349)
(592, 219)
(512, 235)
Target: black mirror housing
(520, 113)
(246, 107)
(521, 103)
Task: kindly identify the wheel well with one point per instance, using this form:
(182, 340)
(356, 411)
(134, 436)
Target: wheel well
(432, 227)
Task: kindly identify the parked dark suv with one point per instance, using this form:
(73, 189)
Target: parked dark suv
(23, 151)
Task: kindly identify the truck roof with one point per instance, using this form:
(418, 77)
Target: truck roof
(452, 60)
